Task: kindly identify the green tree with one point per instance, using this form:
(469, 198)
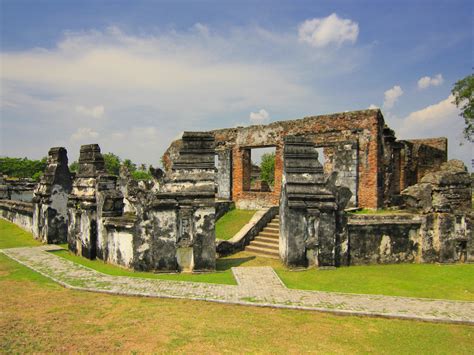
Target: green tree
(112, 163)
(22, 167)
(267, 168)
(464, 99)
(74, 167)
(141, 175)
(130, 165)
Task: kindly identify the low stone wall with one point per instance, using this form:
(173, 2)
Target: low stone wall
(384, 239)
(238, 242)
(421, 238)
(118, 238)
(222, 207)
(18, 212)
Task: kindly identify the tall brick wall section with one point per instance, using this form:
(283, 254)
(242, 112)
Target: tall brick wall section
(361, 131)
(419, 157)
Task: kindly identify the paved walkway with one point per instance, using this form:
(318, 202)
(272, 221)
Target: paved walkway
(257, 286)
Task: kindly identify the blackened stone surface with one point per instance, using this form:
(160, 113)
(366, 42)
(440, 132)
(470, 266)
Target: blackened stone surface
(446, 190)
(50, 219)
(82, 202)
(308, 208)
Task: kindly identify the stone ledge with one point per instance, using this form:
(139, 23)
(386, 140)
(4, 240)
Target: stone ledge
(17, 206)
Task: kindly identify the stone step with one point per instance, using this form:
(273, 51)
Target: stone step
(269, 235)
(267, 239)
(273, 225)
(271, 229)
(263, 244)
(262, 252)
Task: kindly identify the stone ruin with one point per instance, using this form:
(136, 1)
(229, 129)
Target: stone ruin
(168, 223)
(311, 209)
(358, 145)
(169, 226)
(50, 220)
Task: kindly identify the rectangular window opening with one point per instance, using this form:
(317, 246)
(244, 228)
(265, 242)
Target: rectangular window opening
(259, 169)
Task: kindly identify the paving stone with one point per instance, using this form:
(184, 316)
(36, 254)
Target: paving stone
(257, 286)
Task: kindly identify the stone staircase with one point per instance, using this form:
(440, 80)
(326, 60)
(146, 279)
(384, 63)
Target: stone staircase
(266, 242)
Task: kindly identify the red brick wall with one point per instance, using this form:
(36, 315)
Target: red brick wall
(363, 127)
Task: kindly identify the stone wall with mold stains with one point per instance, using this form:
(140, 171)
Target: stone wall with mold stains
(50, 218)
(358, 145)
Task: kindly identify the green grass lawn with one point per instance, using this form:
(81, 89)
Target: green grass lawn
(39, 316)
(233, 221)
(12, 236)
(410, 280)
(215, 277)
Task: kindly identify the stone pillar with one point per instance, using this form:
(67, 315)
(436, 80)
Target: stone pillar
(309, 208)
(4, 195)
(224, 174)
(189, 195)
(82, 203)
(110, 203)
(246, 169)
(50, 218)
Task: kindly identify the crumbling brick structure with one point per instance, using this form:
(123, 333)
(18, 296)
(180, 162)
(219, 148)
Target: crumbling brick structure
(50, 199)
(82, 203)
(358, 145)
(170, 222)
(311, 209)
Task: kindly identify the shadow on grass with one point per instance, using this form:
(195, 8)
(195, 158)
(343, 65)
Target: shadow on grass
(227, 264)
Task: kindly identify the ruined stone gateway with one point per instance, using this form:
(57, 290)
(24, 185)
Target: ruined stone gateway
(323, 165)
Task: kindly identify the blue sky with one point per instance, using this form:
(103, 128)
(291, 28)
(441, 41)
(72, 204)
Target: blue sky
(131, 75)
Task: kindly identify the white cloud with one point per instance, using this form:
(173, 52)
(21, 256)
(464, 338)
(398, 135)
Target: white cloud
(196, 79)
(438, 120)
(426, 81)
(373, 107)
(201, 29)
(320, 32)
(83, 134)
(95, 111)
(260, 116)
(431, 117)
(391, 96)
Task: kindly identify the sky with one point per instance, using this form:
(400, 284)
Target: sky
(132, 75)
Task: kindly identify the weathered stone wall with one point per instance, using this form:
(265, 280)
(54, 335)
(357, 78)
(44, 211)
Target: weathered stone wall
(17, 189)
(82, 203)
(422, 238)
(384, 239)
(224, 174)
(169, 225)
(50, 201)
(445, 190)
(440, 230)
(18, 212)
(311, 209)
(417, 157)
(358, 145)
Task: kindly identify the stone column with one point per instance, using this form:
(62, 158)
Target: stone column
(224, 174)
(309, 208)
(50, 218)
(191, 186)
(82, 203)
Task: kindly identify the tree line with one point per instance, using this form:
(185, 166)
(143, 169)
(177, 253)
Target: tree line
(33, 169)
